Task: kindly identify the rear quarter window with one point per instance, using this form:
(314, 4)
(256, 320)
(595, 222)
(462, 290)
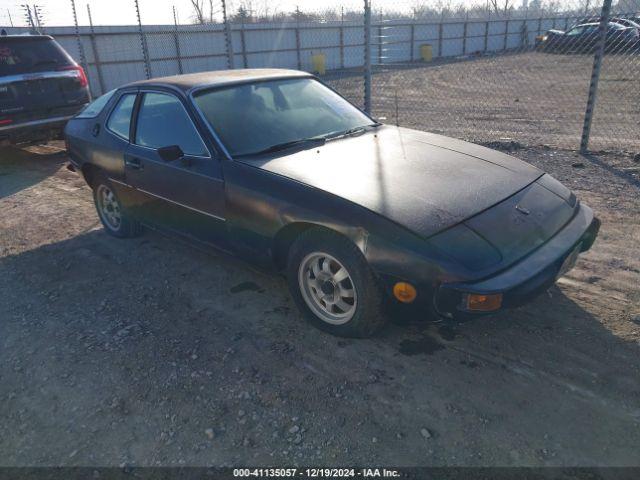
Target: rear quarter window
(95, 108)
(26, 54)
(120, 119)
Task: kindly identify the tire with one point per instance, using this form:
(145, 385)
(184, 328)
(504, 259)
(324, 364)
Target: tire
(115, 220)
(351, 305)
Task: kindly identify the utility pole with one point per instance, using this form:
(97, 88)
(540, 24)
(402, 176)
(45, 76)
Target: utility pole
(10, 19)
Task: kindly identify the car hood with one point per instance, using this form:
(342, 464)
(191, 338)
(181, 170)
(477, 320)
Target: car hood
(422, 181)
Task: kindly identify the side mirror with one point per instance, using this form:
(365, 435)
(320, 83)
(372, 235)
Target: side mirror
(170, 153)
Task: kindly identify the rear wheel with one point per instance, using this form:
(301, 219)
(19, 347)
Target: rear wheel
(115, 220)
(333, 285)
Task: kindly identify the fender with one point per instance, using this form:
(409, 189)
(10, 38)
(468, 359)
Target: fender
(261, 205)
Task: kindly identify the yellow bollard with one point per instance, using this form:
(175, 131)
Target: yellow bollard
(319, 63)
(426, 52)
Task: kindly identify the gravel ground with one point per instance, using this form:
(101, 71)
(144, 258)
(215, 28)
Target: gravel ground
(153, 352)
(534, 98)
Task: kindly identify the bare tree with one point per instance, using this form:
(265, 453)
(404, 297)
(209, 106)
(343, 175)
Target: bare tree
(501, 7)
(198, 11)
(200, 14)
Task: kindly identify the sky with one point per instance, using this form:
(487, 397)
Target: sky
(122, 12)
(153, 12)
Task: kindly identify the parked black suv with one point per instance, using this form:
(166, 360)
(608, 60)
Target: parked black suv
(41, 87)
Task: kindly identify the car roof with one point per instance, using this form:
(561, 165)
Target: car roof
(597, 24)
(217, 78)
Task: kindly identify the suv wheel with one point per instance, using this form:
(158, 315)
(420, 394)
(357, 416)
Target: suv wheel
(333, 285)
(115, 220)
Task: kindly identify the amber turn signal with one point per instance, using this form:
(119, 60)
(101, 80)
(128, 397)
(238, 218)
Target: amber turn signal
(404, 292)
(484, 303)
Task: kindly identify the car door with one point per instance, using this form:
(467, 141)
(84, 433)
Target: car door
(102, 140)
(185, 195)
(572, 40)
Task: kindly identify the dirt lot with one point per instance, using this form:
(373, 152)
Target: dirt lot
(152, 352)
(534, 98)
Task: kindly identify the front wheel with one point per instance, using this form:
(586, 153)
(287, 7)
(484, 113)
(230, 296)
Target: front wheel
(115, 220)
(333, 285)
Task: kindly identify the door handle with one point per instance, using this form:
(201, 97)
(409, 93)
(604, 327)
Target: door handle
(95, 130)
(133, 163)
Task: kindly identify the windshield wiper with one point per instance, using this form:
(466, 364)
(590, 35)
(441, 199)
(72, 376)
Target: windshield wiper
(312, 142)
(352, 131)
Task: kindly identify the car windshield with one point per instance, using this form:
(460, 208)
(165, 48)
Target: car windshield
(30, 54)
(254, 118)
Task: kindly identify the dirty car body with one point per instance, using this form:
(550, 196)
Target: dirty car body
(449, 218)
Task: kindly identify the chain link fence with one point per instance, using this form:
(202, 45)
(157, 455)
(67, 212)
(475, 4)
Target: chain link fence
(541, 73)
(509, 74)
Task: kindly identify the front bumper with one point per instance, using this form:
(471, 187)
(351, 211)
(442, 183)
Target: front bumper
(529, 277)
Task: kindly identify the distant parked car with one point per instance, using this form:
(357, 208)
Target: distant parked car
(626, 22)
(41, 87)
(584, 39)
(276, 167)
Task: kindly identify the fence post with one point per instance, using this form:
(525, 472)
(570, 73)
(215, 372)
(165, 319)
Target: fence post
(143, 43)
(227, 35)
(243, 45)
(341, 46)
(176, 41)
(506, 34)
(83, 58)
(595, 74)
(413, 41)
(464, 38)
(539, 26)
(29, 17)
(379, 44)
(367, 57)
(298, 56)
(440, 39)
(486, 36)
(96, 55)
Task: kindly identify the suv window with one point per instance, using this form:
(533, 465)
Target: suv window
(120, 119)
(95, 107)
(30, 54)
(163, 121)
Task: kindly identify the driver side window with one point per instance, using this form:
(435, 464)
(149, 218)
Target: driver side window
(163, 121)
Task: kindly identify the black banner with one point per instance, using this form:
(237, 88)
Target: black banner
(309, 473)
